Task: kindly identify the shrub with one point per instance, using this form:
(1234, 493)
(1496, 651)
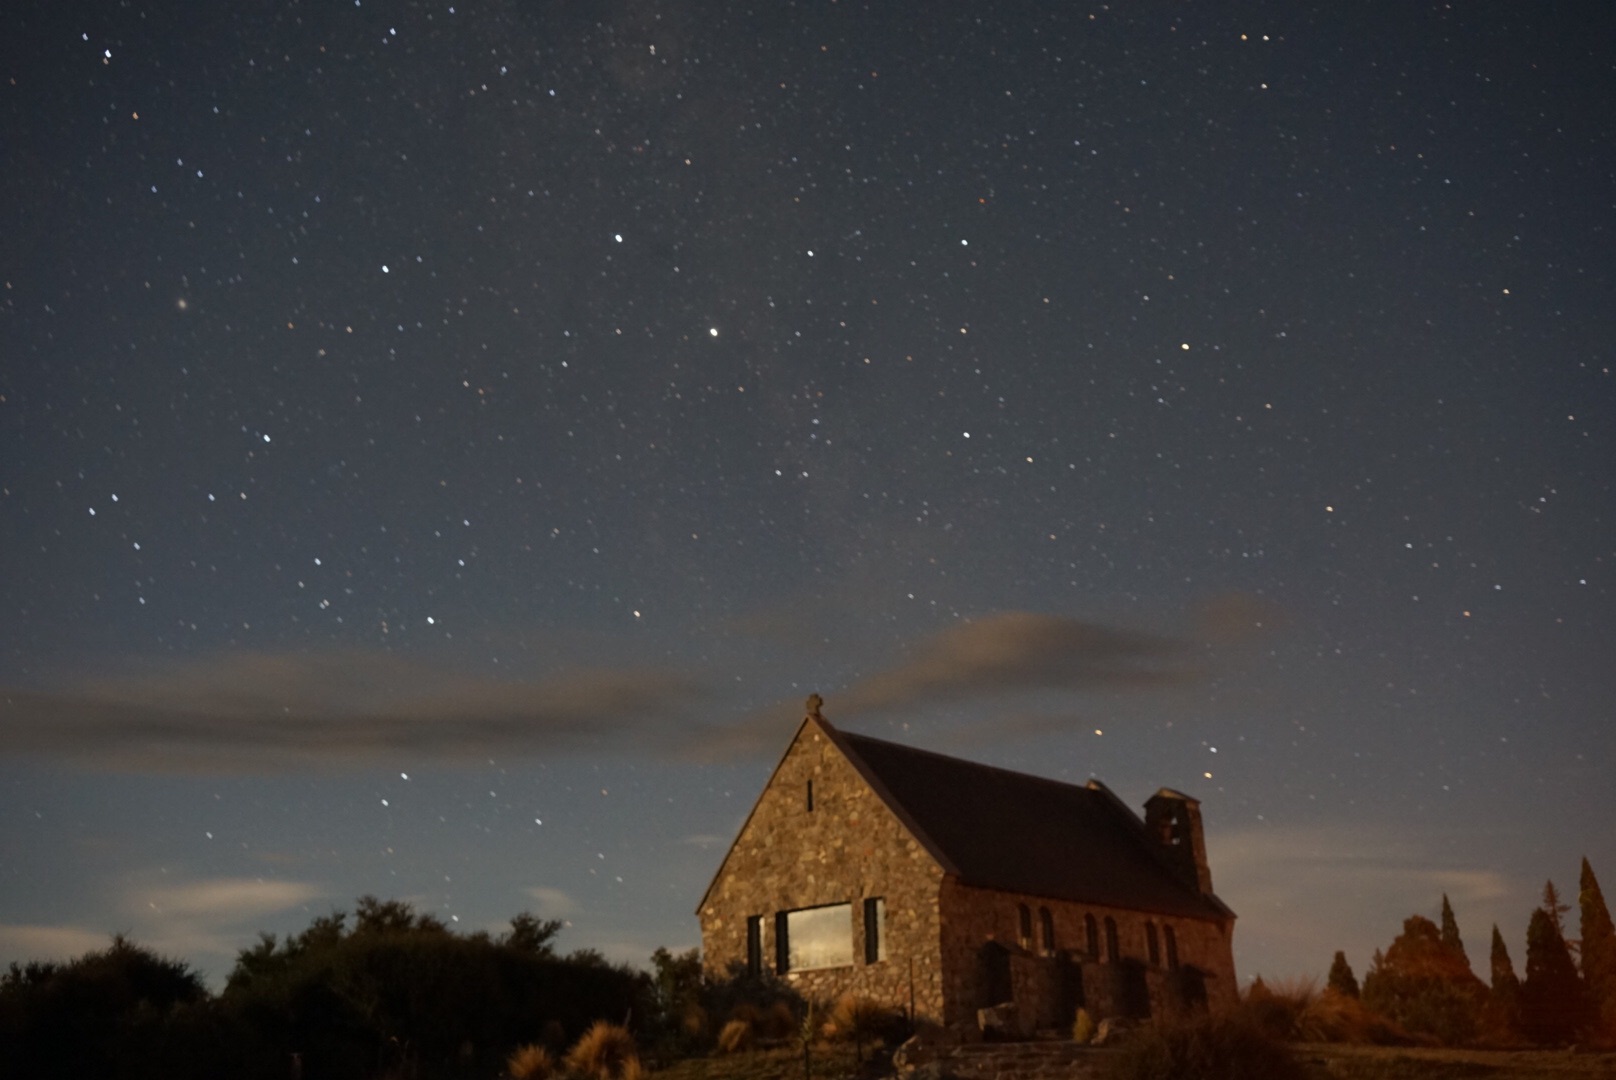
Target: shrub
(530, 1062)
(604, 1052)
(735, 1036)
(1083, 1028)
(1276, 1008)
(1336, 1017)
(779, 1021)
(1219, 1048)
(860, 1019)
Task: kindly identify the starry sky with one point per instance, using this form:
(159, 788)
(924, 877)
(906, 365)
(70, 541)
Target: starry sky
(441, 445)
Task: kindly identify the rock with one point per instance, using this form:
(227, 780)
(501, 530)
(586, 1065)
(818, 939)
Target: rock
(1000, 1019)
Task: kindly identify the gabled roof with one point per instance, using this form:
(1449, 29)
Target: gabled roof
(998, 829)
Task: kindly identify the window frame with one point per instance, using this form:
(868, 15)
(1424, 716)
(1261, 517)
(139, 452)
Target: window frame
(788, 955)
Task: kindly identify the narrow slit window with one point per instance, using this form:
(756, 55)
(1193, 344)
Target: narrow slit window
(1113, 952)
(1024, 925)
(1046, 929)
(754, 945)
(875, 935)
(1091, 935)
(1152, 944)
(1172, 948)
(782, 944)
(810, 796)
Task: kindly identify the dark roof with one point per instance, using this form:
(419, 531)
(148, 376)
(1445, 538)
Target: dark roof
(1010, 831)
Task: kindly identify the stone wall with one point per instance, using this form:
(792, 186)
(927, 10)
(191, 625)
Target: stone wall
(848, 847)
(972, 916)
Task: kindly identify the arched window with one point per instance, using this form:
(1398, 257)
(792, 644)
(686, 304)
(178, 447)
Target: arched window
(1172, 948)
(1113, 952)
(1152, 944)
(1091, 934)
(1024, 925)
(1046, 927)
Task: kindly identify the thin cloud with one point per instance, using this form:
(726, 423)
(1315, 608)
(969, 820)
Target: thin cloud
(33, 942)
(552, 903)
(227, 899)
(258, 711)
(1016, 651)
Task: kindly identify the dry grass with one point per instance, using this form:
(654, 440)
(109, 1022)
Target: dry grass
(776, 1063)
(737, 1035)
(530, 1062)
(1219, 1048)
(1344, 1062)
(605, 1052)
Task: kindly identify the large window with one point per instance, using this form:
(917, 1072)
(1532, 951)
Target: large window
(818, 937)
(875, 931)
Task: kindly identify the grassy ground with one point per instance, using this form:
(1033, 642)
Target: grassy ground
(829, 1063)
(1341, 1062)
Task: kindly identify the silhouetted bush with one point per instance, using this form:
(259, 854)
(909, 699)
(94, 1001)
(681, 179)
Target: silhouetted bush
(123, 1011)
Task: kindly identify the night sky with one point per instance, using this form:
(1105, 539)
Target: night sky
(441, 445)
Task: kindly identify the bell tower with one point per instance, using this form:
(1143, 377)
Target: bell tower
(1173, 821)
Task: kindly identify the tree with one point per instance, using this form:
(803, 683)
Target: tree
(1424, 985)
(531, 935)
(115, 1012)
(1554, 1006)
(1450, 930)
(1503, 1012)
(1555, 910)
(1341, 979)
(1598, 949)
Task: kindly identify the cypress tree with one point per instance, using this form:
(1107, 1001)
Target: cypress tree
(1450, 931)
(1341, 979)
(1598, 948)
(1553, 1004)
(1554, 909)
(1504, 999)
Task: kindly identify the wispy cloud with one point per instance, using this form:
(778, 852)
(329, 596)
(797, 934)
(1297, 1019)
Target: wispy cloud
(250, 710)
(552, 903)
(226, 899)
(260, 711)
(32, 942)
(1017, 651)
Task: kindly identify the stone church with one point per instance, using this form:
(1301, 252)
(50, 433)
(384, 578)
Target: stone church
(940, 887)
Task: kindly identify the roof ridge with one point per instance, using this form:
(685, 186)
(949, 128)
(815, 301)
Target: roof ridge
(908, 749)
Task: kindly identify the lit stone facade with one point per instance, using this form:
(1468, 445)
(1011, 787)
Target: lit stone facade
(826, 832)
(849, 847)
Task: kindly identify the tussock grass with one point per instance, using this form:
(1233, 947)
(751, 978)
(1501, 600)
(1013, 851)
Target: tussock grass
(530, 1062)
(735, 1036)
(605, 1052)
